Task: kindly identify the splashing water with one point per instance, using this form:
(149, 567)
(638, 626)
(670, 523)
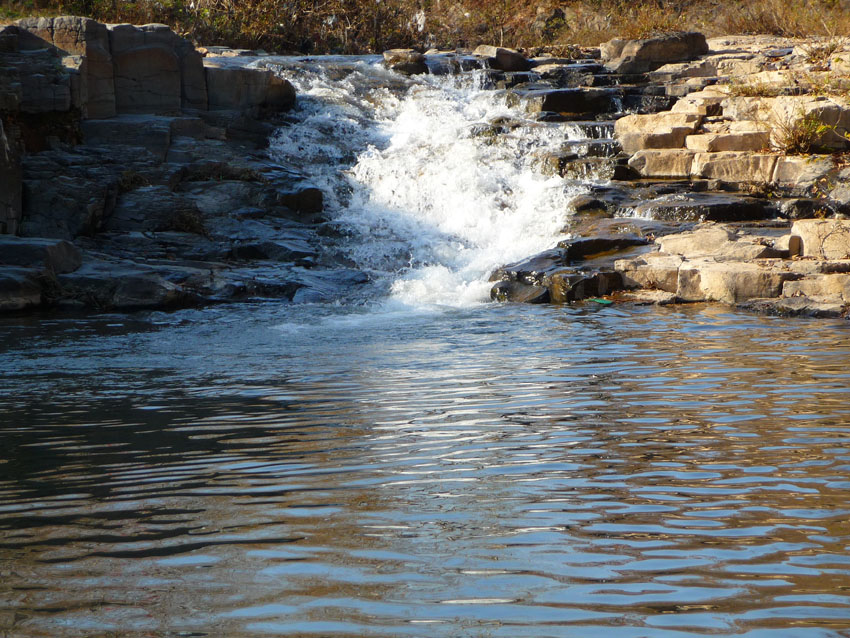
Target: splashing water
(430, 199)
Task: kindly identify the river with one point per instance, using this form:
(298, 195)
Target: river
(409, 459)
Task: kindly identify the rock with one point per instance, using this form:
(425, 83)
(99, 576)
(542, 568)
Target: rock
(256, 91)
(714, 142)
(575, 103)
(823, 238)
(121, 285)
(10, 183)
(155, 208)
(664, 164)
(642, 56)
(728, 282)
(405, 61)
(532, 270)
(831, 288)
(802, 174)
(789, 245)
(56, 256)
(735, 167)
(83, 37)
(150, 132)
(502, 58)
(654, 271)
(797, 307)
(703, 207)
(658, 130)
(717, 242)
(519, 292)
(19, 289)
(569, 286)
(581, 248)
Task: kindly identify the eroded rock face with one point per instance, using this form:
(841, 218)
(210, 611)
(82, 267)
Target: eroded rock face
(642, 56)
(10, 183)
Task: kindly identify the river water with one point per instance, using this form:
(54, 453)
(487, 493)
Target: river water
(409, 459)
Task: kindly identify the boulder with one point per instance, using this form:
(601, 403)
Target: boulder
(56, 256)
(405, 61)
(502, 58)
(801, 174)
(823, 238)
(256, 91)
(642, 56)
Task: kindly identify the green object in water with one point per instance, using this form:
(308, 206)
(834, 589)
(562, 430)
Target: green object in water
(604, 302)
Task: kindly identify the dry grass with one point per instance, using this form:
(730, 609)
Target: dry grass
(353, 26)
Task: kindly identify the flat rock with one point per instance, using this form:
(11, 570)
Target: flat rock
(19, 288)
(703, 207)
(54, 255)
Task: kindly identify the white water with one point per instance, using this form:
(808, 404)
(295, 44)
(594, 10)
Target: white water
(432, 207)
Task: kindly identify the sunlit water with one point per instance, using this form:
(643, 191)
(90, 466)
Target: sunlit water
(425, 463)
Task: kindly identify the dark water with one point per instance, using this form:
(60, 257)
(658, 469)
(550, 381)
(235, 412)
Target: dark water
(490, 471)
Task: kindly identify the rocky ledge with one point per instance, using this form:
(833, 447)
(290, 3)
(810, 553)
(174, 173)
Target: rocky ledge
(724, 178)
(133, 174)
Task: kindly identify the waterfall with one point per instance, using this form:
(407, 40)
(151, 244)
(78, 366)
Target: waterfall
(428, 197)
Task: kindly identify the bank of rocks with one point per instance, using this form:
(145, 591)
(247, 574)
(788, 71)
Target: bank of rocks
(746, 134)
(133, 173)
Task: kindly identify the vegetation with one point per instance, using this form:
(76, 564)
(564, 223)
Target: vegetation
(355, 26)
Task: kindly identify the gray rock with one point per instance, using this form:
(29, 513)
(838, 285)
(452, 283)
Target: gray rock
(56, 256)
(502, 58)
(150, 132)
(576, 103)
(703, 207)
(253, 91)
(154, 208)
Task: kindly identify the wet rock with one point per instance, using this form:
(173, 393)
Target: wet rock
(276, 250)
(405, 61)
(56, 256)
(568, 287)
(519, 292)
(703, 207)
(573, 103)
(654, 271)
(797, 307)
(642, 56)
(581, 248)
(502, 58)
(19, 288)
(533, 269)
(121, 286)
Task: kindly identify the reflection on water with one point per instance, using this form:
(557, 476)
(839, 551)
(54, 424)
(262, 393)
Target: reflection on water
(494, 471)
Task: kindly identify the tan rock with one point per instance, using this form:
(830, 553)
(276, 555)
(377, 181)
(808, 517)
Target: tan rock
(699, 104)
(659, 130)
(715, 142)
(701, 242)
(802, 171)
(728, 282)
(666, 163)
(835, 288)
(824, 238)
(791, 244)
(734, 167)
(655, 271)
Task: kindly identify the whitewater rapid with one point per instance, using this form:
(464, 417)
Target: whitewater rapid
(429, 200)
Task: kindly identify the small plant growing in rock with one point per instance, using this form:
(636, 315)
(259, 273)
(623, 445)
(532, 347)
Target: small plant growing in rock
(799, 134)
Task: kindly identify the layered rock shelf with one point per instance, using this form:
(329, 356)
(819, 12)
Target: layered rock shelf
(723, 178)
(133, 175)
